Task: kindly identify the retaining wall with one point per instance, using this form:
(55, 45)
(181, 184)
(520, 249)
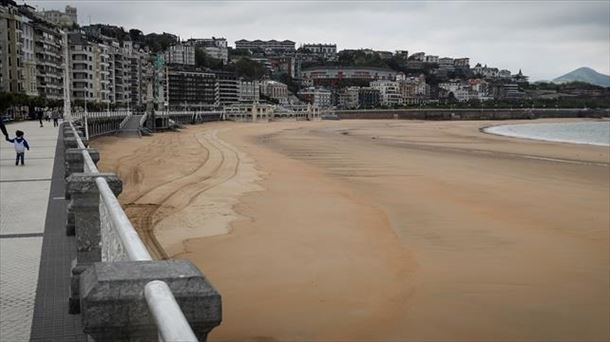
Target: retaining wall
(471, 114)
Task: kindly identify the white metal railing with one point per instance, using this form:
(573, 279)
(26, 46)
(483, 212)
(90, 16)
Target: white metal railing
(124, 122)
(170, 320)
(172, 324)
(143, 119)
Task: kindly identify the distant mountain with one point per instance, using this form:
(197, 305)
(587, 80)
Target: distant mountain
(586, 75)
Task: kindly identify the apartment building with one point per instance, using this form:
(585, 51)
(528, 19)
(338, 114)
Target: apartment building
(64, 19)
(189, 88)
(249, 91)
(214, 47)
(181, 53)
(414, 90)
(318, 97)
(275, 90)
(389, 92)
(324, 51)
(347, 98)
(368, 97)
(228, 88)
(11, 69)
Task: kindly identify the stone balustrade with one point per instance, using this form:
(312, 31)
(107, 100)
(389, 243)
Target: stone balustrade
(108, 279)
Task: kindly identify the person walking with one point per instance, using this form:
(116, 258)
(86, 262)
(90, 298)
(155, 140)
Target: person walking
(39, 116)
(3, 128)
(55, 117)
(20, 145)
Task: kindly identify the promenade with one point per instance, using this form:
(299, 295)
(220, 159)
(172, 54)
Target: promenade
(35, 252)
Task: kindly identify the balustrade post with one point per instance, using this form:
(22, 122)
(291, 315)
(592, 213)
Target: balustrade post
(85, 205)
(113, 306)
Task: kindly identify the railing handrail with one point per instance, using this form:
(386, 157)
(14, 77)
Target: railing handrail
(124, 122)
(134, 247)
(170, 320)
(143, 119)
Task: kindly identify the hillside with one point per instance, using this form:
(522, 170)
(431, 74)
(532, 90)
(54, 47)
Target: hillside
(586, 75)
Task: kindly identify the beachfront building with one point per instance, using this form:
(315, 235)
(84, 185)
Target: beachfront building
(347, 98)
(10, 50)
(318, 97)
(268, 46)
(368, 98)
(180, 53)
(414, 90)
(89, 69)
(189, 88)
(249, 91)
(228, 88)
(275, 90)
(456, 89)
(389, 92)
(49, 46)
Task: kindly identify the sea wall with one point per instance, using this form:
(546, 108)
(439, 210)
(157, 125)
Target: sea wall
(471, 114)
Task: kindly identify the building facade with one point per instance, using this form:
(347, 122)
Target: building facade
(324, 51)
(269, 46)
(183, 54)
(65, 19)
(389, 92)
(190, 89)
(249, 91)
(275, 90)
(318, 97)
(214, 47)
(327, 75)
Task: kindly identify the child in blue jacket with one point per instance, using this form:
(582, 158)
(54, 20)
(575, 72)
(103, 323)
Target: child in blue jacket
(20, 145)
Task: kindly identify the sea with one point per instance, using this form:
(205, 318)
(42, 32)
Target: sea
(588, 132)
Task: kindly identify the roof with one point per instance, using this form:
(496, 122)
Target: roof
(335, 67)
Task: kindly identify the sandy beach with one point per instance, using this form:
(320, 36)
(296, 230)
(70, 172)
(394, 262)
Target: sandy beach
(379, 230)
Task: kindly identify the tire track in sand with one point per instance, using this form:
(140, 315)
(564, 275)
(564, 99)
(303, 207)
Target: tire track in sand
(151, 207)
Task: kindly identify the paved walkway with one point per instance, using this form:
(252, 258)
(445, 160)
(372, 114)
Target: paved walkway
(33, 300)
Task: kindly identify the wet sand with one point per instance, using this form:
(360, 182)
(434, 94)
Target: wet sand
(379, 230)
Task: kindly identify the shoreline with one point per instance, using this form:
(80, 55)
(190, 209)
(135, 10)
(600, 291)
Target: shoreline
(363, 230)
(489, 130)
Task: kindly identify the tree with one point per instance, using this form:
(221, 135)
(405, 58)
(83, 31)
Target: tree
(247, 68)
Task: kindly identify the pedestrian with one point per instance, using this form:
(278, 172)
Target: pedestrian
(55, 117)
(3, 128)
(20, 145)
(39, 116)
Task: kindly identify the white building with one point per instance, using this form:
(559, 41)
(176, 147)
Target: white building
(318, 97)
(326, 51)
(180, 54)
(347, 98)
(389, 91)
(275, 90)
(431, 59)
(65, 19)
(414, 90)
(249, 91)
(214, 47)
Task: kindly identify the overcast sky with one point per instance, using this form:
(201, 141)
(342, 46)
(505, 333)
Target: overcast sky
(544, 38)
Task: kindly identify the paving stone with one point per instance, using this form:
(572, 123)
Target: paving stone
(19, 262)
